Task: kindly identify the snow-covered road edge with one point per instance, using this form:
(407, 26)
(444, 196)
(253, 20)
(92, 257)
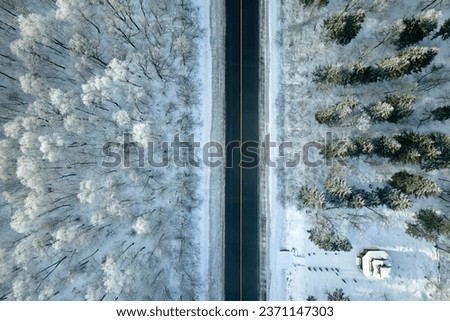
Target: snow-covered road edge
(264, 209)
(272, 212)
(216, 249)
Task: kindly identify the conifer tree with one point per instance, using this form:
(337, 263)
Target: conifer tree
(416, 185)
(380, 111)
(403, 106)
(334, 149)
(429, 225)
(407, 61)
(441, 113)
(324, 235)
(337, 114)
(343, 27)
(312, 197)
(337, 187)
(386, 147)
(334, 74)
(414, 29)
(360, 146)
(394, 199)
(444, 30)
(337, 295)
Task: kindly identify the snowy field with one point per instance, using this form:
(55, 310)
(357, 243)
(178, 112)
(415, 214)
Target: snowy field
(303, 269)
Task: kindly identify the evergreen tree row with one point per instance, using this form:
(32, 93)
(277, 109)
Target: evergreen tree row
(430, 151)
(392, 109)
(408, 61)
(395, 196)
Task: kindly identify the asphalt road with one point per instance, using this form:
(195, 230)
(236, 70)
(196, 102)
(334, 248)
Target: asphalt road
(241, 190)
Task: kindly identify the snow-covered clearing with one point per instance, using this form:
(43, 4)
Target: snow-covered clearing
(418, 268)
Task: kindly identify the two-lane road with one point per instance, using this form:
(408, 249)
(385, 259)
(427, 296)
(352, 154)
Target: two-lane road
(241, 190)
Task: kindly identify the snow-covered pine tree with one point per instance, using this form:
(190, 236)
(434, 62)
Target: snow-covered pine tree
(343, 27)
(412, 184)
(336, 114)
(363, 197)
(337, 295)
(357, 201)
(403, 106)
(444, 30)
(394, 199)
(413, 147)
(334, 149)
(407, 61)
(414, 29)
(312, 197)
(398, 201)
(441, 113)
(325, 236)
(360, 146)
(317, 3)
(334, 74)
(361, 73)
(381, 111)
(337, 187)
(428, 224)
(441, 159)
(386, 146)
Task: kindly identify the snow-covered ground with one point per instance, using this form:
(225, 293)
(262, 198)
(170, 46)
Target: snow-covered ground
(214, 242)
(299, 47)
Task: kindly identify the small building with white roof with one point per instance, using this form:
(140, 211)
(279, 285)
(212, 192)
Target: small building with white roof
(375, 264)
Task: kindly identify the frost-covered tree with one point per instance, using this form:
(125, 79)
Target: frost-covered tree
(335, 74)
(429, 225)
(360, 146)
(416, 185)
(344, 26)
(407, 61)
(325, 236)
(444, 30)
(430, 150)
(411, 30)
(394, 199)
(403, 106)
(380, 111)
(441, 113)
(437, 156)
(86, 74)
(318, 3)
(386, 146)
(364, 198)
(312, 197)
(393, 108)
(338, 113)
(337, 295)
(357, 201)
(334, 149)
(337, 187)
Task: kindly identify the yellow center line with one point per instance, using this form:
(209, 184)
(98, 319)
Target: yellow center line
(240, 154)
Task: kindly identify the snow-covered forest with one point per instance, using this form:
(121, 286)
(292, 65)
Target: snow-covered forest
(369, 81)
(75, 75)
